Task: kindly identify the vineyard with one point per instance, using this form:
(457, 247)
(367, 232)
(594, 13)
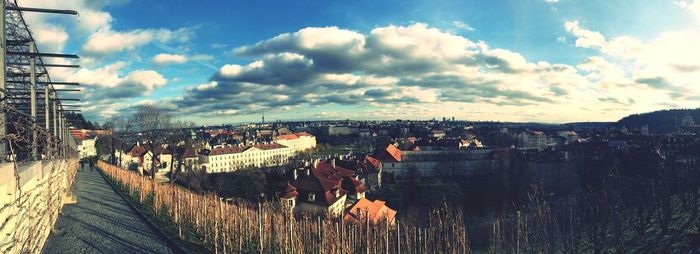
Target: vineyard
(268, 228)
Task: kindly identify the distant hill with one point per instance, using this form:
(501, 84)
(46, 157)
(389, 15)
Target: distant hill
(587, 125)
(662, 121)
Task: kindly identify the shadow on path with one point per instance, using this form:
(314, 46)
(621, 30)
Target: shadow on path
(101, 222)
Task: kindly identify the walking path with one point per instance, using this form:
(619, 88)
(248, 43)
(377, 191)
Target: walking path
(101, 222)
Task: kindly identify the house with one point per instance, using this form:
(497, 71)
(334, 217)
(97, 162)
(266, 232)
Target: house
(140, 157)
(388, 156)
(190, 159)
(323, 188)
(86, 147)
(373, 211)
(437, 134)
(86, 140)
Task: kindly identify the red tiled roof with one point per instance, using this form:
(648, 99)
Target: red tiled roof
(376, 211)
(293, 136)
(374, 162)
(325, 179)
(138, 150)
(290, 191)
(287, 137)
(189, 153)
(269, 146)
(303, 133)
(394, 152)
(228, 150)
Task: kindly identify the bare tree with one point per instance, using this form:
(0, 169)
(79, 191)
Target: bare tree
(158, 127)
(152, 122)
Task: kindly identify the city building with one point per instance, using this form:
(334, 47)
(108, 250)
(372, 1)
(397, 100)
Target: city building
(342, 130)
(428, 163)
(227, 158)
(532, 139)
(297, 142)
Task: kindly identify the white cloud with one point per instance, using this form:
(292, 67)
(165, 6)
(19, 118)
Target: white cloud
(106, 41)
(552, 1)
(690, 5)
(107, 82)
(584, 38)
(667, 65)
(463, 26)
(165, 59)
(50, 38)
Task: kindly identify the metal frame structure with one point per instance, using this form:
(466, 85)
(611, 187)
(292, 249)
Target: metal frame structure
(26, 86)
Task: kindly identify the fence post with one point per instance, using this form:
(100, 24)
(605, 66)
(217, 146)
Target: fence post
(32, 95)
(3, 116)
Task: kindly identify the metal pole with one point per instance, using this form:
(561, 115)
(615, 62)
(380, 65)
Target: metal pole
(55, 130)
(32, 78)
(46, 122)
(3, 117)
(60, 131)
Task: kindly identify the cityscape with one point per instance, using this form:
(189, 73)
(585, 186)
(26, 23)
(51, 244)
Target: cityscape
(539, 126)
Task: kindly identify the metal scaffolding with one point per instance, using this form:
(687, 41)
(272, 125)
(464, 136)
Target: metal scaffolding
(27, 93)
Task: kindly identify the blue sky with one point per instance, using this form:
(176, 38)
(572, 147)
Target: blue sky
(230, 61)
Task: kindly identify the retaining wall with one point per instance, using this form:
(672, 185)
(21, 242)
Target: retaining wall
(31, 196)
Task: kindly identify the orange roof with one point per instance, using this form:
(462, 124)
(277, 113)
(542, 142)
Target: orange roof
(394, 152)
(373, 161)
(287, 137)
(376, 211)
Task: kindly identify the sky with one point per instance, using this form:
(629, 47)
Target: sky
(217, 62)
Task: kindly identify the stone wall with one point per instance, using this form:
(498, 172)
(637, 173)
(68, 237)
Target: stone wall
(31, 196)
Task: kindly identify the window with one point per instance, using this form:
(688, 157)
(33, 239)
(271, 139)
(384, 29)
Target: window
(312, 197)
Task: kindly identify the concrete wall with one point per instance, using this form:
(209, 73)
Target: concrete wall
(31, 196)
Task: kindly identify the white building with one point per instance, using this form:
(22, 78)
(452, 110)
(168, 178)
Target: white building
(297, 142)
(532, 139)
(86, 148)
(231, 158)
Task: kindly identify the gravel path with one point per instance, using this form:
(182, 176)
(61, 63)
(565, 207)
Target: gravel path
(101, 222)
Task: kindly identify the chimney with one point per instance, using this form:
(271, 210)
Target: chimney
(337, 193)
(333, 162)
(316, 162)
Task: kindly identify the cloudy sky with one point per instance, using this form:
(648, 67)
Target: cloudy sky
(520, 60)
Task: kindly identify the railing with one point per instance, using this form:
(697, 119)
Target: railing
(248, 227)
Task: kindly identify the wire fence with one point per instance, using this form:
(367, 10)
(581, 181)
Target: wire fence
(34, 179)
(268, 228)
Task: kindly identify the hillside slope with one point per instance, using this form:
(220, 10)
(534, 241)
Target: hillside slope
(661, 121)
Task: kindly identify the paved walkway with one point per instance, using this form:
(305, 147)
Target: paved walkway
(101, 222)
